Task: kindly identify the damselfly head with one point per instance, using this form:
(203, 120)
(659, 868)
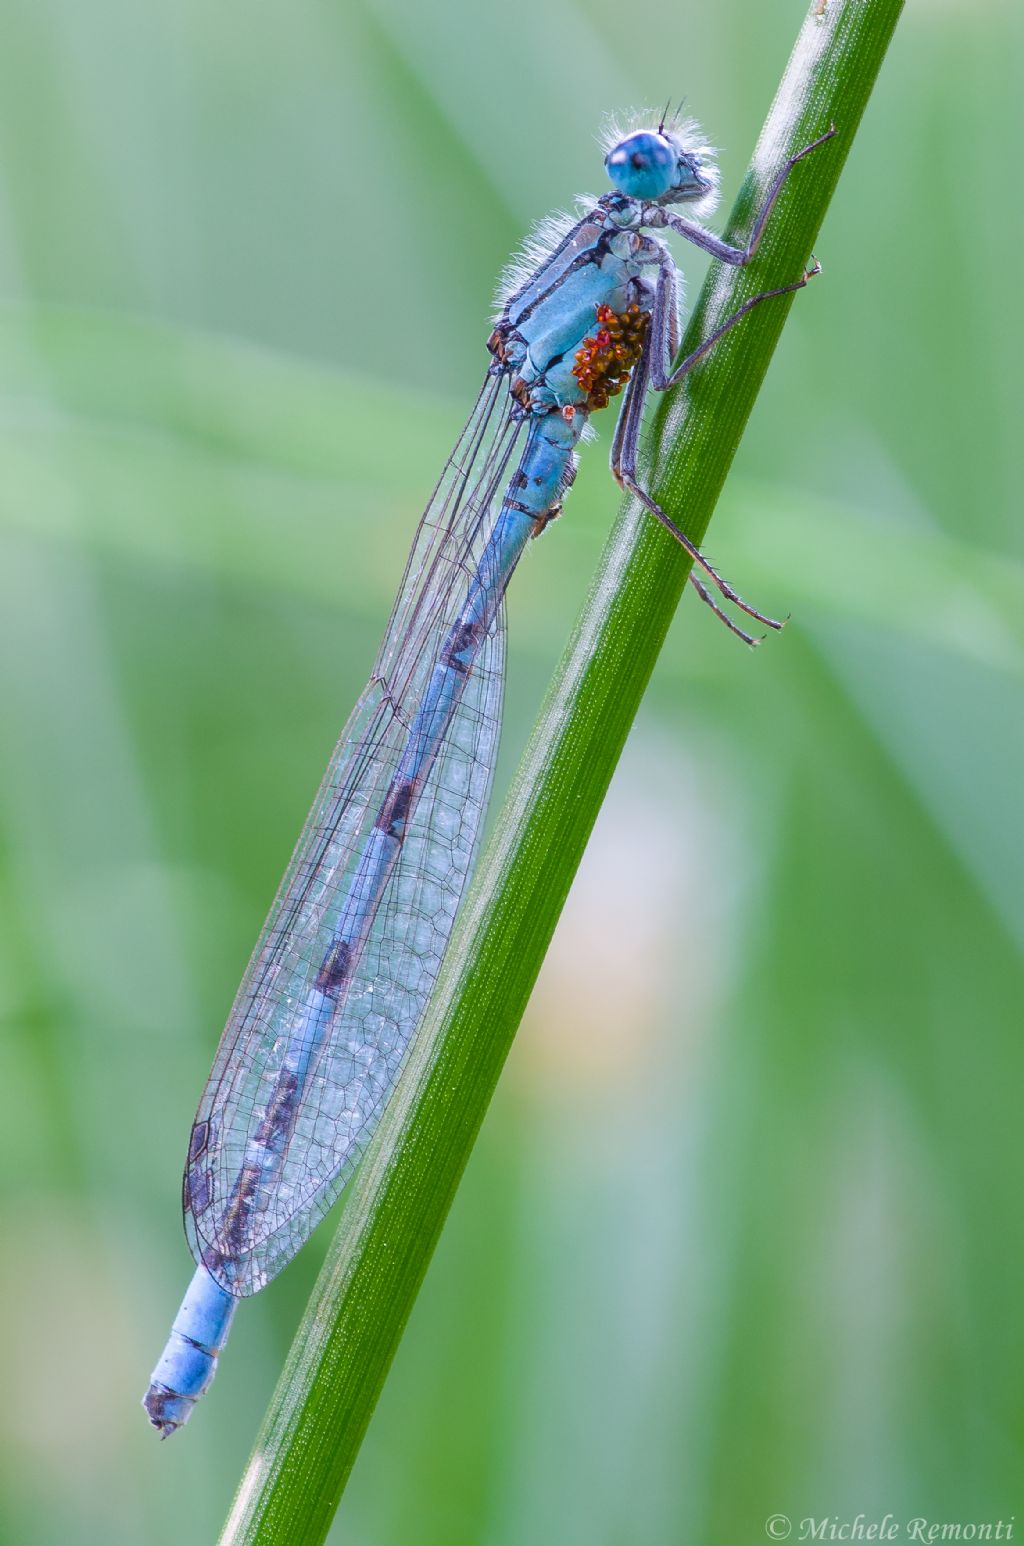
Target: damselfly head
(663, 165)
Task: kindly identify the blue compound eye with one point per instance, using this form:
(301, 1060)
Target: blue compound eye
(643, 166)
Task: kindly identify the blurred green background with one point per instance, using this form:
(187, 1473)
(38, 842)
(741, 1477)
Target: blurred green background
(741, 1234)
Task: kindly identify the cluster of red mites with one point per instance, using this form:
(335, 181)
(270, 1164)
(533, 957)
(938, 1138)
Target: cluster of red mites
(604, 363)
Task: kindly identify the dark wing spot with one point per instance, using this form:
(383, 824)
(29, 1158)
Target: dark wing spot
(199, 1141)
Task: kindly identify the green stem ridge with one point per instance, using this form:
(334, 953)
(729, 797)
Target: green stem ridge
(401, 1194)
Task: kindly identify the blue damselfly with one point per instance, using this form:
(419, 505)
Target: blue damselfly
(341, 974)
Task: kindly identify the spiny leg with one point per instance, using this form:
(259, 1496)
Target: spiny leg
(627, 425)
(624, 467)
(720, 612)
(738, 257)
(623, 464)
(654, 369)
(663, 377)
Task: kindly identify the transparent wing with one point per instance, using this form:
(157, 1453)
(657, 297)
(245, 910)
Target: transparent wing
(370, 1032)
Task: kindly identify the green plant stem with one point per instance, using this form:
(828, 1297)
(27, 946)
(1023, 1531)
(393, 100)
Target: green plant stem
(402, 1192)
